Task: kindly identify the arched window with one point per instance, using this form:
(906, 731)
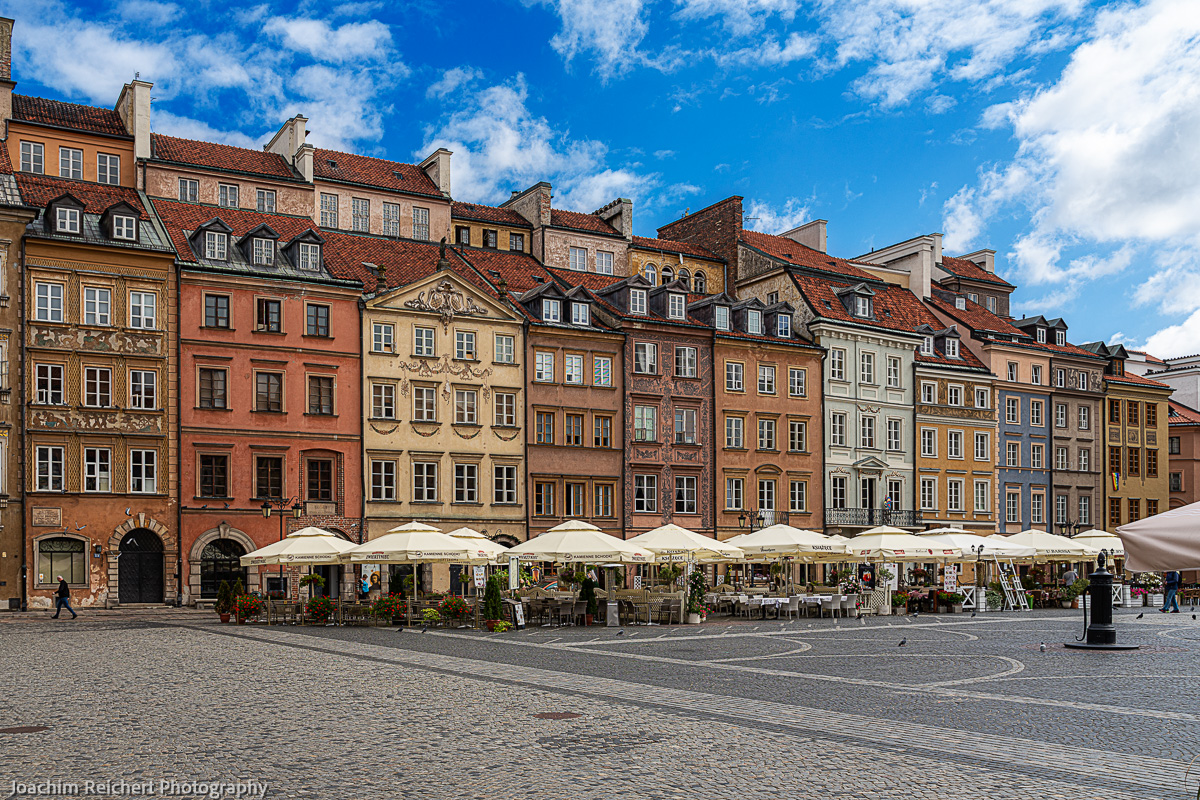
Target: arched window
(220, 560)
(700, 283)
(686, 277)
(62, 556)
(651, 273)
(668, 275)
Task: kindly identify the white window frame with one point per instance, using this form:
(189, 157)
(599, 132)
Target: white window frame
(424, 342)
(506, 348)
(637, 301)
(97, 470)
(837, 364)
(676, 305)
(735, 432)
(97, 306)
(383, 337)
(602, 370)
(581, 314)
(735, 376)
(143, 471)
(577, 259)
(48, 305)
(425, 482)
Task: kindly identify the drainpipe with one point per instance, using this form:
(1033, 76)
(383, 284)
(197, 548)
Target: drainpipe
(21, 395)
(362, 429)
(178, 440)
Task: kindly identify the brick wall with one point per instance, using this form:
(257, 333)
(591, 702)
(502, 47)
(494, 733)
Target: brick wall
(716, 228)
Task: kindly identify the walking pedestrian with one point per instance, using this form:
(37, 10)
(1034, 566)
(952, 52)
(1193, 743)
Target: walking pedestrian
(1171, 582)
(1070, 576)
(62, 599)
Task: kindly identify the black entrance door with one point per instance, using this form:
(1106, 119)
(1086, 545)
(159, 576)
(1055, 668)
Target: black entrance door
(140, 567)
(220, 560)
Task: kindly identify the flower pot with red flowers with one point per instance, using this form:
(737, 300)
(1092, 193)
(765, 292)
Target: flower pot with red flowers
(391, 608)
(320, 609)
(454, 608)
(247, 606)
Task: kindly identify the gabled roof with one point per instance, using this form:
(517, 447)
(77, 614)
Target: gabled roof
(793, 252)
(1179, 414)
(977, 318)
(969, 270)
(1131, 379)
(588, 223)
(592, 280)
(331, 165)
(42, 111)
(672, 246)
(40, 190)
(220, 157)
(481, 213)
(181, 217)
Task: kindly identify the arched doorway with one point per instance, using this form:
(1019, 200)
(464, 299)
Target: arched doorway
(220, 560)
(140, 579)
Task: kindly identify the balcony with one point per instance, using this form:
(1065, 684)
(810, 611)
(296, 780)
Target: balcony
(871, 517)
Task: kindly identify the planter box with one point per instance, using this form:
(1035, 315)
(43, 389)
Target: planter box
(693, 619)
(1156, 600)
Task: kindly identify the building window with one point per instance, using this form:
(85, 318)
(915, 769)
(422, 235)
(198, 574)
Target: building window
(506, 349)
(645, 423)
(685, 426)
(425, 482)
(734, 432)
(1012, 506)
(574, 498)
(1173, 445)
(734, 494)
(766, 379)
(143, 389)
(466, 405)
(97, 387)
(551, 310)
(143, 310)
(573, 430)
(420, 223)
(685, 494)
(954, 395)
(504, 484)
(893, 435)
(97, 306)
(33, 158)
(544, 427)
(212, 388)
(263, 252)
(982, 495)
(124, 227)
(753, 322)
(1132, 412)
(1085, 459)
(268, 477)
(783, 325)
(1060, 378)
(981, 398)
(766, 434)
(862, 306)
(391, 221)
(462, 235)
(543, 370)
(604, 263)
(543, 499)
(676, 306)
(464, 345)
(360, 215)
(216, 246)
(602, 432)
(1135, 509)
(1151, 463)
(573, 369)
(383, 480)
(1012, 410)
(837, 364)
(798, 496)
(49, 384)
(1037, 508)
(383, 337)
(1012, 454)
(189, 190)
(577, 259)
(580, 314)
(1085, 510)
(928, 443)
(1133, 462)
(1035, 413)
(1151, 415)
(954, 443)
(516, 242)
(798, 435)
(866, 437)
(1060, 415)
(602, 367)
(466, 483)
(954, 492)
(928, 494)
(329, 210)
(837, 429)
(1012, 371)
(1036, 459)
(637, 301)
(505, 404)
(1060, 458)
(97, 466)
(645, 358)
(320, 395)
(797, 382)
(264, 201)
(143, 471)
(49, 469)
(227, 195)
(721, 318)
(214, 476)
(952, 348)
(1060, 509)
(734, 381)
(1176, 481)
(766, 494)
(310, 257)
(685, 362)
(70, 163)
(383, 401)
(63, 556)
(837, 492)
(927, 346)
(983, 447)
(423, 342)
(645, 494)
(67, 220)
(269, 315)
(49, 306)
(268, 391)
(424, 404)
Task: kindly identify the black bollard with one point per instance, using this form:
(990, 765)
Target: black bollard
(1101, 634)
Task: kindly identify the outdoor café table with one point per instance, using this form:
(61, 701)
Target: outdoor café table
(768, 601)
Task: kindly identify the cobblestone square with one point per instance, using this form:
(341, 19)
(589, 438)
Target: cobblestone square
(967, 708)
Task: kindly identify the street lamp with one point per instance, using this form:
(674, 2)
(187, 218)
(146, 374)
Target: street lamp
(742, 520)
(270, 504)
(760, 520)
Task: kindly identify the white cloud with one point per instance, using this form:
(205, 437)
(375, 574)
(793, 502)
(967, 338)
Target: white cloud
(451, 80)
(352, 41)
(762, 216)
(769, 52)
(184, 127)
(660, 154)
(610, 30)
(149, 12)
(739, 17)
(499, 144)
(1176, 340)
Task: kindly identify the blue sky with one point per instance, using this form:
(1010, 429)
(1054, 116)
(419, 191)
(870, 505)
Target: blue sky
(1061, 133)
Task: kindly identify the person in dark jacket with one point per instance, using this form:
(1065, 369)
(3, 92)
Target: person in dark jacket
(62, 599)
(1171, 582)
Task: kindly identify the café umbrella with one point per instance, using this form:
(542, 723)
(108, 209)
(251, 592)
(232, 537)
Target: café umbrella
(778, 541)
(886, 543)
(674, 543)
(477, 539)
(417, 543)
(578, 541)
(305, 546)
(1048, 546)
(980, 546)
(1102, 540)
(1163, 542)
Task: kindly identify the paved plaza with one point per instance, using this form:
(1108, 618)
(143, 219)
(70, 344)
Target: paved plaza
(967, 708)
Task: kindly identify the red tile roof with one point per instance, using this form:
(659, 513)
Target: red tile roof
(672, 246)
(38, 190)
(220, 157)
(482, 213)
(581, 222)
(518, 270)
(6, 167)
(377, 172)
(1135, 380)
(978, 318)
(793, 252)
(971, 271)
(588, 280)
(179, 217)
(67, 115)
(404, 260)
(1182, 415)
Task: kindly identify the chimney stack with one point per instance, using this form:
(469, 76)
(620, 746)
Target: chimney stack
(810, 234)
(437, 166)
(133, 106)
(288, 140)
(7, 84)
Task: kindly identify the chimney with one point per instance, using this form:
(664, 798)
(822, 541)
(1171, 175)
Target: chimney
(533, 204)
(133, 106)
(7, 84)
(619, 214)
(288, 140)
(437, 167)
(986, 259)
(304, 161)
(810, 234)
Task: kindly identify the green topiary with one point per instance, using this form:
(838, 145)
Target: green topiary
(697, 586)
(493, 607)
(224, 604)
(587, 593)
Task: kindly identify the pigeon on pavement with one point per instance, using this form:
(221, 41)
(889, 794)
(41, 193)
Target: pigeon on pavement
(1139, 616)
(620, 631)
(903, 642)
(1043, 648)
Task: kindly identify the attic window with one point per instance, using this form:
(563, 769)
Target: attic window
(960, 303)
(927, 346)
(952, 348)
(538, 279)
(551, 311)
(1041, 335)
(331, 163)
(494, 273)
(783, 326)
(754, 321)
(396, 173)
(66, 220)
(216, 246)
(264, 252)
(637, 301)
(862, 306)
(580, 314)
(828, 304)
(676, 307)
(310, 256)
(1060, 338)
(721, 317)
(124, 227)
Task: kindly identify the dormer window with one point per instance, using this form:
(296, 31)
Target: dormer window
(580, 314)
(1041, 335)
(264, 252)
(862, 306)
(551, 311)
(676, 306)
(216, 246)
(952, 348)
(1060, 338)
(960, 303)
(754, 321)
(721, 317)
(927, 346)
(310, 256)
(124, 227)
(783, 326)
(66, 220)
(637, 301)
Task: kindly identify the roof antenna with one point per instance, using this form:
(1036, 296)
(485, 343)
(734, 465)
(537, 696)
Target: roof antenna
(137, 75)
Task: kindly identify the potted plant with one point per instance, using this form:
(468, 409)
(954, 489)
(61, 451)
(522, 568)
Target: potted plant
(697, 586)
(1068, 597)
(493, 606)
(669, 574)
(224, 604)
(920, 576)
(899, 602)
(1153, 583)
(587, 594)
(1139, 595)
(392, 608)
(949, 602)
(247, 606)
(1079, 587)
(994, 599)
(454, 607)
(500, 625)
(431, 616)
(320, 608)
(312, 579)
